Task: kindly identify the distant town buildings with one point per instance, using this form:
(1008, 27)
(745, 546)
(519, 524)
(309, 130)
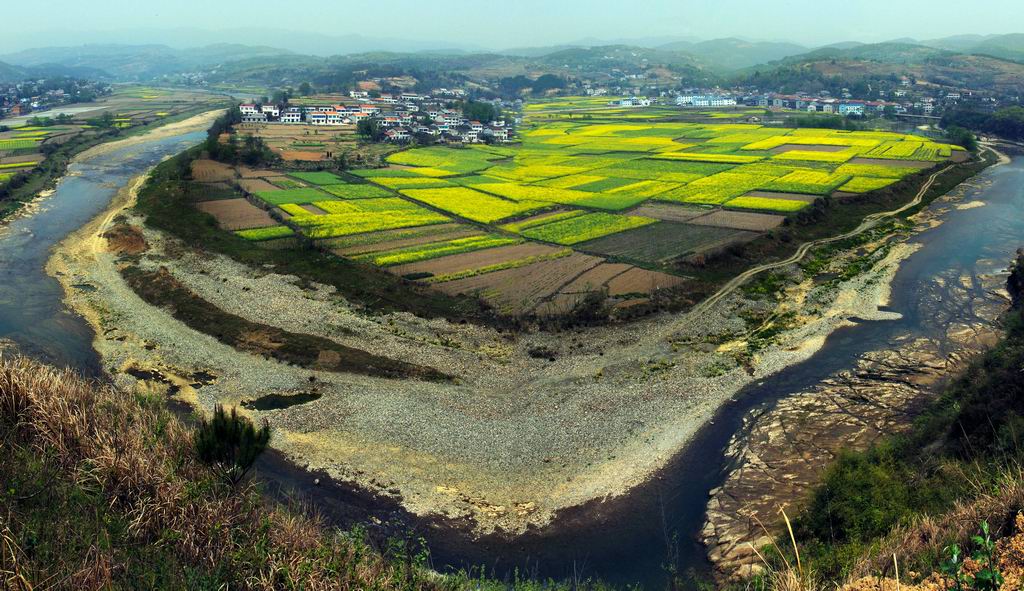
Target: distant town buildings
(401, 116)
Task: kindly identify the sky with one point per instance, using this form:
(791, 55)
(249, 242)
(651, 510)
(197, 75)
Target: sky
(490, 24)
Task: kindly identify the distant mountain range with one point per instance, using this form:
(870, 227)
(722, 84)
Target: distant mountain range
(136, 62)
(724, 59)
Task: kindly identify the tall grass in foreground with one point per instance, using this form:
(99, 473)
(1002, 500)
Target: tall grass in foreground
(105, 489)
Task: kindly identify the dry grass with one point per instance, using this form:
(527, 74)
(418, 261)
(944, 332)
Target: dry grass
(127, 451)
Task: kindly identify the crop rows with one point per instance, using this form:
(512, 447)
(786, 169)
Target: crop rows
(473, 205)
(585, 227)
(433, 250)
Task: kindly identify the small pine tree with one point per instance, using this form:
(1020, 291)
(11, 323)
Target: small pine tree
(230, 444)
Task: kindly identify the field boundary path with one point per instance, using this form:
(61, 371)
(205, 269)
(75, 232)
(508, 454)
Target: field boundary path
(870, 221)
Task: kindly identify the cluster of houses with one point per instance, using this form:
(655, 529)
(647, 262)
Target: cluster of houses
(847, 105)
(29, 96)
(400, 117)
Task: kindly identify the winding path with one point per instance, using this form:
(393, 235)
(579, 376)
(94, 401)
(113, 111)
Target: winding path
(870, 221)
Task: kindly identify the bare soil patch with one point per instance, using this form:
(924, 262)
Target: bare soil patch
(124, 239)
(299, 155)
(21, 159)
(210, 171)
(669, 212)
(313, 209)
(518, 290)
(252, 173)
(256, 185)
(740, 220)
(637, 280)
(236, 214)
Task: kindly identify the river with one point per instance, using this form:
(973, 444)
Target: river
(32, 313)
(629, 540)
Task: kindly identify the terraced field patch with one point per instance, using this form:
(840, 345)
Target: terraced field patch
(473, 205)
(585, 227)
(236, 214)
(665, 241)
(299, 196)
(318, 178)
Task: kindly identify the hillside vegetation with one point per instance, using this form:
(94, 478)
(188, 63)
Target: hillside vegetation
(101, 488)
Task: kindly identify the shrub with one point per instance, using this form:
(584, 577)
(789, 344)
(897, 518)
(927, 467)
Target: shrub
(230, 444)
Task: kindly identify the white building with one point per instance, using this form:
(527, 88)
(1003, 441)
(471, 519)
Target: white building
(292, 115)
(248, 109)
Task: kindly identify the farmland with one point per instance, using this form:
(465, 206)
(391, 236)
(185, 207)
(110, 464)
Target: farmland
(632, 192)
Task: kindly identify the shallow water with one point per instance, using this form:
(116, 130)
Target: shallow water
(635, 539)
(32, 313)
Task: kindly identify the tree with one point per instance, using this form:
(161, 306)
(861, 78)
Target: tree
(305, 89)
(230, 444)
(369, 129)
(962, 137)
(480, 111)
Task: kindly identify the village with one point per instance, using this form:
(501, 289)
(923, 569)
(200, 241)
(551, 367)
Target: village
(904, 99)
(25, 97)
(397, 118)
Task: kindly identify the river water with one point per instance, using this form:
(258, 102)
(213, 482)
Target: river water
(635, 539)
(32, 313)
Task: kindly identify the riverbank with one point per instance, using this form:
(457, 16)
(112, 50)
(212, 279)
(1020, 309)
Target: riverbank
(784, 447)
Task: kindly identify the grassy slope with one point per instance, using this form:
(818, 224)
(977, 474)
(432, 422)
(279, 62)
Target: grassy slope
(99, 488)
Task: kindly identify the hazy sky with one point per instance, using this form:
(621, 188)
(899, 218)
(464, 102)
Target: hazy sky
(517, 23)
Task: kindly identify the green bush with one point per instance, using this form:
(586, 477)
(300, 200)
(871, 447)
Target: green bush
(230, 443)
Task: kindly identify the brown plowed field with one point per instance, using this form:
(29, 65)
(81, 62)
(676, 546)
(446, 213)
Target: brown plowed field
(251, 173)
(668, 212)
(300, 155)
(596, 278)
(516, 291)
(313, 209)
(210, 171)
(474, 260)
(256, 185)
(739, 220)
(237, 214)
(638, 280)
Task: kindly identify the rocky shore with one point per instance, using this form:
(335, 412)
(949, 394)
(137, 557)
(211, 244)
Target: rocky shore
(785, 447)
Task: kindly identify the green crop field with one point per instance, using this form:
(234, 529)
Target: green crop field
(317, 178)
(767, 204)
(298, 196)
(585, 227)
(18, 144)
(259, 234)
(354, 191)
